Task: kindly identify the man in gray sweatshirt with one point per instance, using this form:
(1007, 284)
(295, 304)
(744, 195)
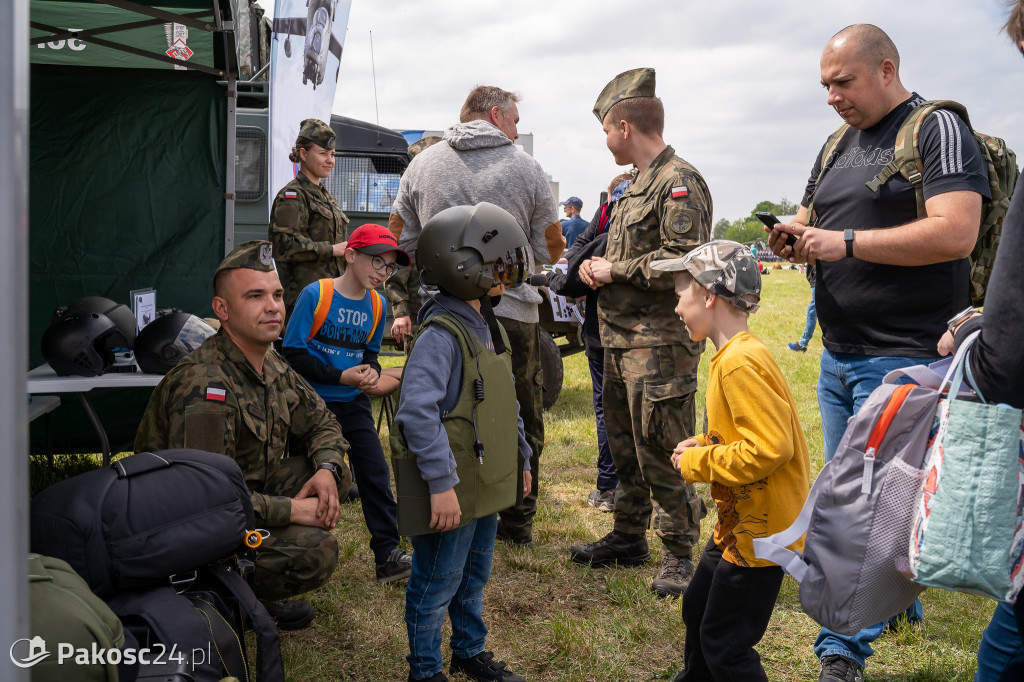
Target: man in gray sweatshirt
(477, 161)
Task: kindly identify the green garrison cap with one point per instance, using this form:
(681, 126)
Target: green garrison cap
(318, 131)
(725, 268)
(627, 85)
(254, 255)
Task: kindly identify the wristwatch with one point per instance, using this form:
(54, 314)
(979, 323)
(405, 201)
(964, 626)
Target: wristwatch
(848, 238)
(955, 321)
(333, 468)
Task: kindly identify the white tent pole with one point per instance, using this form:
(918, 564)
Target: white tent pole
(14, 617)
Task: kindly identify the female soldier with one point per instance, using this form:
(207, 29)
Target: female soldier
(307, 227)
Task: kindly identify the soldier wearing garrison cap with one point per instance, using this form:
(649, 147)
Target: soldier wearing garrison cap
(650, 363)
(236, 396)
(307, 226)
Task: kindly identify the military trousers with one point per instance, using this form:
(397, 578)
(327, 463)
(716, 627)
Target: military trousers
(524, 337)
(648, 409)
(294, 559)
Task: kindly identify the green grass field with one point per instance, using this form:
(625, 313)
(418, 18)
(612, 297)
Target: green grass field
(554, 620)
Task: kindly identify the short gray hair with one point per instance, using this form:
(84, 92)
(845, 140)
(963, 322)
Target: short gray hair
(482, 99)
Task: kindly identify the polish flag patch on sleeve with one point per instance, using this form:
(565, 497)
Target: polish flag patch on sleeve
(217, 394)
(680, 192)
(290, 194)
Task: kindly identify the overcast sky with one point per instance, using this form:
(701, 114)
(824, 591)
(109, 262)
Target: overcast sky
(739, 79)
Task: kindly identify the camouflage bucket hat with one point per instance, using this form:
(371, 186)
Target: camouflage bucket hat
(318, 131)
(254, 255)
(725, 268)
(627, 85)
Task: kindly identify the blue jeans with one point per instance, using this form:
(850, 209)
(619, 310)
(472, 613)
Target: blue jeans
(858, 647)
(449, 571)
(812, 322)
(845, 382)
(607, 478)
(1001, 654)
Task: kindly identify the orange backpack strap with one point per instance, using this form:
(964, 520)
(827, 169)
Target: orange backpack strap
(323, 306)
(377, 304)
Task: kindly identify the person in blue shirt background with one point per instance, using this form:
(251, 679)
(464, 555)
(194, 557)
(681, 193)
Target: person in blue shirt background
(573, 225)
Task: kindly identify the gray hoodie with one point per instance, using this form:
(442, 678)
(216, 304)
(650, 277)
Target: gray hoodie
(430, 386)
(477, 162)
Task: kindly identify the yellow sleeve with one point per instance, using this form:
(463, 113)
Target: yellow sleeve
(757, 440)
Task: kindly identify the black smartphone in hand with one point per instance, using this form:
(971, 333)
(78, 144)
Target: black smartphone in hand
(771, 221)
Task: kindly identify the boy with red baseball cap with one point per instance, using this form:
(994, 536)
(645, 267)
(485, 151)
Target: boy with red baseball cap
(333, 338)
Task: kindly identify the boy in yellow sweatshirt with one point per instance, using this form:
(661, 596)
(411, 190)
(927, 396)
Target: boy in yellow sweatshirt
(753, 455)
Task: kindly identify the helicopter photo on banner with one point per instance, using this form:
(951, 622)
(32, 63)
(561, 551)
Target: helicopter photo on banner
(306, 48)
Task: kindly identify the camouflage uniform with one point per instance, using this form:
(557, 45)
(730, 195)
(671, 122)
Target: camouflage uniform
(650, 376)
(305, 227)
(256, 421)
(402, 290)
(524, 340)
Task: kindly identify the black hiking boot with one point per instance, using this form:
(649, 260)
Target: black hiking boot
(290, 614)
(624, 549)
(509, 537)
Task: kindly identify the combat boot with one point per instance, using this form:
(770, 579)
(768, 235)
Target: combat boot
(674, 576)
(290, 614)
(624, 549)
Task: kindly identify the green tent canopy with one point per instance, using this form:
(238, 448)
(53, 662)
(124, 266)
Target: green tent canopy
(131, 162)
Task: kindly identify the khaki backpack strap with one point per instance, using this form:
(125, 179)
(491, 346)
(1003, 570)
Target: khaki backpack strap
(827, 153)
(323, 306)
(907, 159)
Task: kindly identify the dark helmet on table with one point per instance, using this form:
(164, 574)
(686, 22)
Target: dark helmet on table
(119, 314)
(166, 340)
(467, 250)
(82, 344)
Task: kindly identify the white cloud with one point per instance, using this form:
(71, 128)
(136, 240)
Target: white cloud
(739, 79)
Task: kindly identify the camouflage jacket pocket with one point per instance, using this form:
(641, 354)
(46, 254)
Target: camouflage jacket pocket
(255, 422)
(322, 209)
(209, 427)
(637, 212)
(663, 404)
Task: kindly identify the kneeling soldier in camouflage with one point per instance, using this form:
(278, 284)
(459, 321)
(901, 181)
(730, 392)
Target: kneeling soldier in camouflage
(235, 395)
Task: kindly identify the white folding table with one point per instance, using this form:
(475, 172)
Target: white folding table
(43, 380)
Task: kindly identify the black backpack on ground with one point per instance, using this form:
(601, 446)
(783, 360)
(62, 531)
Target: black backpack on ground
(144, 518)
(198, 632)
(162, 537)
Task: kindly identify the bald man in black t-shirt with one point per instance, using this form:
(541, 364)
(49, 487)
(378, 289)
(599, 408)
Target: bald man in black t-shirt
(888, 281)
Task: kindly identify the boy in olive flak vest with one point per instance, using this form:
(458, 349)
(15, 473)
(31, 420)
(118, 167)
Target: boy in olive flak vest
(458, 432)
(753, 454)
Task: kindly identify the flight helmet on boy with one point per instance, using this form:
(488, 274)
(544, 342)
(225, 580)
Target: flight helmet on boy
(467, 250)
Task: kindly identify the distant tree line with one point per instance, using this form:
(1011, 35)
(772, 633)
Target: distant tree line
(748, 228)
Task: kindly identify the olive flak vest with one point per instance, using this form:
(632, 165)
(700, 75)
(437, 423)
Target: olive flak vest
(488, 483)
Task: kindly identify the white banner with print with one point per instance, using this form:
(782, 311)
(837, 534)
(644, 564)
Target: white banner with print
(305, 59)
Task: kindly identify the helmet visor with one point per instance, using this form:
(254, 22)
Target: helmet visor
(510, 268)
